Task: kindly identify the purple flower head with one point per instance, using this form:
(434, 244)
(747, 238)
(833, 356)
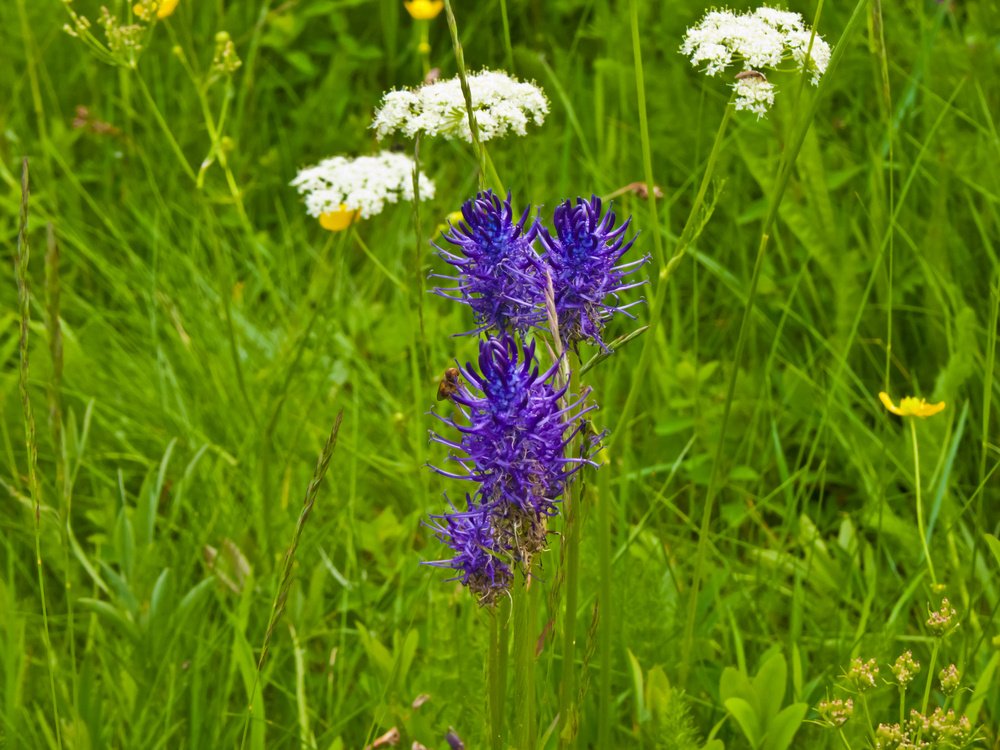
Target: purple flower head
(513, 440)
(583, 259)
(471, 536)
(496, 262)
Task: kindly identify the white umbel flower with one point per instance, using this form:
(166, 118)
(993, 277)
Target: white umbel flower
(500, 103)
(760, 39)
(754, 94)
(364, 184)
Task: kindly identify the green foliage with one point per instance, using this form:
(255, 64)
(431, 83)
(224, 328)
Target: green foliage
(211, 331)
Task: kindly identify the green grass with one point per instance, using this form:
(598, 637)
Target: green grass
(212, 334)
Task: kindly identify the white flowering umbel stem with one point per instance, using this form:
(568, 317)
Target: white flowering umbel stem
(801, 127)
(418, 256)
(920, 504)
(477, 145)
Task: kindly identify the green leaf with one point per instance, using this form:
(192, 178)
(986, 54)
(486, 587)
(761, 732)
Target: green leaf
(783, 727)
(769, 686)
(994, 545)
(746, 717)
(657, 692)
(735, 684)
(979, 693)
(378, 654)
(640, 704)
(409, 650)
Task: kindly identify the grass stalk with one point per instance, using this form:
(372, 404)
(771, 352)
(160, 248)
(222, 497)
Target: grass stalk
(281, 594)
(784, 175)
(31, 444)
(54, 332)
(920, 504)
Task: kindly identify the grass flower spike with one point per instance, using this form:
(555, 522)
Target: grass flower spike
(501, 104)
(424, 10)
(911, 407)
(513, 435)
(583, 259)
(496, 264)
(339, 185)
(757, 40)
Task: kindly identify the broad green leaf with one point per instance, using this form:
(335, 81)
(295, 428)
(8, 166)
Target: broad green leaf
(979, 693)
(769, 686)
(783, 727)
(734, 684)
(657, 692)
(746, 717)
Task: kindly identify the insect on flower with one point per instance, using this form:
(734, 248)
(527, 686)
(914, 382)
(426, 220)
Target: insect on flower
(449, 384)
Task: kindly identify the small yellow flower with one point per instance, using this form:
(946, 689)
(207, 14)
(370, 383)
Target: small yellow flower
(163, 8)
(424, 10)
(911, 407)
(338, 220)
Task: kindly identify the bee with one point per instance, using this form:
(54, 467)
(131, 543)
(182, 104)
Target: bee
(752, 74)
(448, 386)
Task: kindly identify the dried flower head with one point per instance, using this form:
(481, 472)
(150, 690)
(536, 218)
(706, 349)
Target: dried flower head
(478, 556)
(905, 669)
(586, 278)
(940, 622)
(500, 104)
(363, 184)
(759, 39)
(496, 263)
(121, 39)
(950, 679)
(836, 713)
(514, 432)
(863, 673)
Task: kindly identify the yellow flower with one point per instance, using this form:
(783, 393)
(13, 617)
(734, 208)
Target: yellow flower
(335, 221)
(163, 8)
(423, 10)
(911, 407)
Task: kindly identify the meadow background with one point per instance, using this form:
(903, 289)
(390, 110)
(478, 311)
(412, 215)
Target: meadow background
(212, 332)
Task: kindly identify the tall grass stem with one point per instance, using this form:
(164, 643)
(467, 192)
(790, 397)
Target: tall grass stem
(31, 444)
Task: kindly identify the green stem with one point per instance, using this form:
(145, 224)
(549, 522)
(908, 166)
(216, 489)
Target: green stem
(930, 677)
(477, 146)
(508, 49)
(166, 130)
(784, 175)
(660, 295)
(902, 706)
(605, 602)
(571, 512)
(920, 505)
(30, 442)
(524, 663)
(371, 256)
(497, 680)
(418, 252)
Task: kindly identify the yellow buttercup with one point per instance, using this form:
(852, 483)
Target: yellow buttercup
(910, 406)
(423, 10)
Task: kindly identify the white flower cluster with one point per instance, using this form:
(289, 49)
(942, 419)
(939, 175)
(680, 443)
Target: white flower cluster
(754, 94)
(759, 39)
(363, 184)
(500, 104)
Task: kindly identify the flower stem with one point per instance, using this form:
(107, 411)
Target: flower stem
(606, 605)
(418, 252)
(477, 146)
(784, 175)
(497, 667)
(930, 677)
(920, 505)
(524, 663)
(571, 512)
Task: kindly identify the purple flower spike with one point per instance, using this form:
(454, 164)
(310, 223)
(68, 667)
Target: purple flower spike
(513, 441)
(479, 564)
(582, 258)
(496, 263)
